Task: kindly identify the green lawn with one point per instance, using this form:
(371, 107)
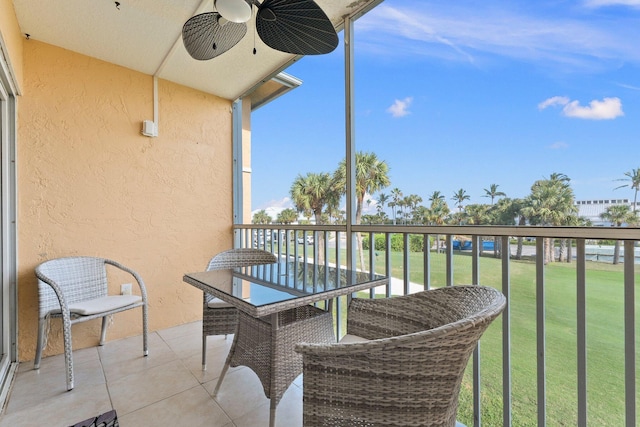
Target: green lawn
(605, 353)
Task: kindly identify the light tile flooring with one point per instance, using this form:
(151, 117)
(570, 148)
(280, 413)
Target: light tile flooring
(166, 388)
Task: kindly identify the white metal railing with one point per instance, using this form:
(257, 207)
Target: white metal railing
(327, 244)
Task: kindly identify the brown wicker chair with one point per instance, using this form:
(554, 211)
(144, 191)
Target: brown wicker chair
(218, 317)
(401, 363)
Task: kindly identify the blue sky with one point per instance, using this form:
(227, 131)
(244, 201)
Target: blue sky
(466, 94)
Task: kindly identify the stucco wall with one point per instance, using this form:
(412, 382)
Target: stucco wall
(90, 184)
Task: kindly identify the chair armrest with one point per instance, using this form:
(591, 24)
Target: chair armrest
(64, 307)
(143, 289)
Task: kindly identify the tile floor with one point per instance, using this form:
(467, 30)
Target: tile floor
(166, 388)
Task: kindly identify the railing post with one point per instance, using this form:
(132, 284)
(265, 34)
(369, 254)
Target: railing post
(426, 268)
(541, 334)
(581, 311)
(506, 341)
(449, 259)
(629, 334)
(406, 265)
(372, 262)
(387, 262)
(475, 279)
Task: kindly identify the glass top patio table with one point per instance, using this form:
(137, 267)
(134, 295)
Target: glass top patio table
(275, 314)
(271, 288)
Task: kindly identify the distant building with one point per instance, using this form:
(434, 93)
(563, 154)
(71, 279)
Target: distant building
(591, 209)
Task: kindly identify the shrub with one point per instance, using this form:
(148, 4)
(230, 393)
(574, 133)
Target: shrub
(416, 242)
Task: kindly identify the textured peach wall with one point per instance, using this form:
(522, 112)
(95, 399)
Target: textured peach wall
(10, 31)
(90, 184)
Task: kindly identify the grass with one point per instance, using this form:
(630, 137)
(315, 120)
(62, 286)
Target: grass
(605, 340)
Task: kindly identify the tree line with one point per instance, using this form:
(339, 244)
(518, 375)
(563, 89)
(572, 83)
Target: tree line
(551, 201)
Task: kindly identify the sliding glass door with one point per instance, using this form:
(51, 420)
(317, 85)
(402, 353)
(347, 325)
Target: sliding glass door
(8, 355)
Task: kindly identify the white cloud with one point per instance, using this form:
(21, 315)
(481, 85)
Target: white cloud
(604, 3)
(369, 208)
(452, 31)
(400, 107)
(555, 100)
(627, 86)
(279, 204)
(607, 109)
(559, 145)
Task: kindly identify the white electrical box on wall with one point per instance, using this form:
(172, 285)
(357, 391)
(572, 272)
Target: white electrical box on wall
(149, 128)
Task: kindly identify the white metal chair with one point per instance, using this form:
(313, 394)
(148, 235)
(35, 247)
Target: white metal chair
(219, 317)
(76, 290)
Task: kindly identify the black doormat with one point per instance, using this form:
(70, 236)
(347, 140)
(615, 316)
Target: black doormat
(108, 419)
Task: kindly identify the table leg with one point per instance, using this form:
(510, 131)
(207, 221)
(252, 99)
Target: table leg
(225, 368)
(273, 402)
(272, 413)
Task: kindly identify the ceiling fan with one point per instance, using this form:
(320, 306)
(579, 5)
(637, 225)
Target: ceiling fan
(293, 26)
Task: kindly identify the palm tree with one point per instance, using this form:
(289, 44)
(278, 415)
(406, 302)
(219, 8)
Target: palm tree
(510, 212)
(382, 200)
(261, 217)
(551, 203)
(435, 197)
(333, 204)
(371, 175)
(310, 194)
(634, 183)
(575, 221)
(287, 216)
(458, 218)
(459, 197)
(438, 210)
(420, 215)
(437, 213)
(493, 192)
(396, 197)
(478, 214)
(412, 201)
(400, 205)
(619, 215)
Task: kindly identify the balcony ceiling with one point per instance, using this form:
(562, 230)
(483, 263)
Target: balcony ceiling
(145, 35)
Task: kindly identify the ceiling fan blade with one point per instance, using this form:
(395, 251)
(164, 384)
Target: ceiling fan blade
(296, 26)
(204, 37)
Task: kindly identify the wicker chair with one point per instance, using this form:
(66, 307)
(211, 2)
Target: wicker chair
(401, 363)
(218, 317)
(76, 290)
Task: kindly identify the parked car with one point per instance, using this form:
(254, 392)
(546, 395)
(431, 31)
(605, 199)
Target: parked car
(309, 240)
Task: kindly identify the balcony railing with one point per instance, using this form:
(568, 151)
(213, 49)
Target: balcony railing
(564, 350)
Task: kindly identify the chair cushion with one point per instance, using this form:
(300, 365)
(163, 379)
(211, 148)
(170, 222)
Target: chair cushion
(218, 303)
(350, 339)
(100, 305)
